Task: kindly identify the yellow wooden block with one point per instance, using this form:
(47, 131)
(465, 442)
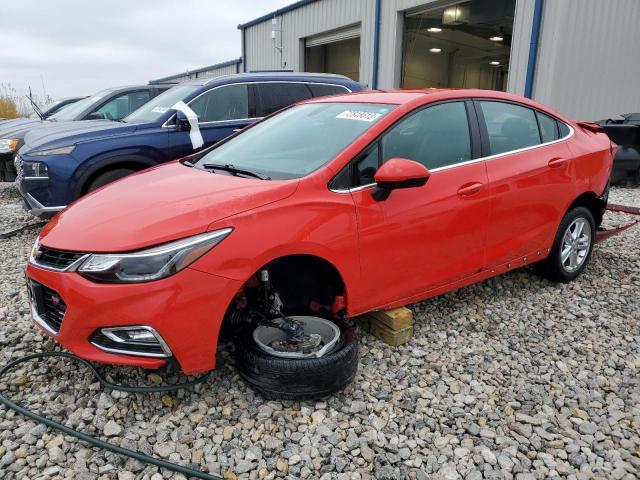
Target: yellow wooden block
(395, 319)
(390, 336)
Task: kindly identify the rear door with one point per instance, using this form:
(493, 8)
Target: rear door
(221, 111)
(530, 179)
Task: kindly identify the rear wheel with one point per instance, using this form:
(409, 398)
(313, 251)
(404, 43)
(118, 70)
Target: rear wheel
(572, 246)
(108, 177)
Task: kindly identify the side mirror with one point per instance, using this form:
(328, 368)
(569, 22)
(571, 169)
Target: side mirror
(95, 116)
(398, 173)
(182, 122)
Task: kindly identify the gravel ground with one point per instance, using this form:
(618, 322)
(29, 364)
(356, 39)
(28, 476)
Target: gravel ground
(511, 378)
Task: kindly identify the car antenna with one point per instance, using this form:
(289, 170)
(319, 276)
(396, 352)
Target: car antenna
(34, 106)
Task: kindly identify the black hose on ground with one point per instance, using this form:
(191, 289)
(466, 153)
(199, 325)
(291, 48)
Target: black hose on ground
(16, 231)
(113, 386)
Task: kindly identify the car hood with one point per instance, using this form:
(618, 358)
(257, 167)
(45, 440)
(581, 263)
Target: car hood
(62, 134)
(17, 128)
(162, 204)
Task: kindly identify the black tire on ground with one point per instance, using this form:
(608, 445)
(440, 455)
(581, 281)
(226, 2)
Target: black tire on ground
(298, 379)
(108, 177)
(3, 174)
(553, 268)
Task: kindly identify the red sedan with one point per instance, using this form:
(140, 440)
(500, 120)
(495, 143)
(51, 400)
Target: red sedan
(327, 210)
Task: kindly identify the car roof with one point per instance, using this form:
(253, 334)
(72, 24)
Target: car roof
(414, 97)
(273, 76)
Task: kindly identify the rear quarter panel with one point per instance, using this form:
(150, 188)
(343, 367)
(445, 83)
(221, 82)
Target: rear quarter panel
(592, 160)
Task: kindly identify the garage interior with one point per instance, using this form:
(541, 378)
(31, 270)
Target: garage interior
(336, 52)
(464, 45)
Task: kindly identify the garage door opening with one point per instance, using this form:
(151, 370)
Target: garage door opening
(465, 45)
(337, 52)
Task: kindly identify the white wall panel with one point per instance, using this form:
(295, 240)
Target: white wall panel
(589, 58)
(313, 19)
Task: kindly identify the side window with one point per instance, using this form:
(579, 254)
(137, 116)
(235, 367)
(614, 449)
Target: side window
(548, 127)
(320, 90)
(510, 127)
(274, 96)
(366, 166)
(436, 136)
(564, 129)
(120, 107)
(229, 102)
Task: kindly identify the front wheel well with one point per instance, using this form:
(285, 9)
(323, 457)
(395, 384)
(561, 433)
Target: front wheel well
(596, 205)
(134, 165)
(304, 283)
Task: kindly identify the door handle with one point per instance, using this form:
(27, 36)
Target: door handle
(469, 189)
(557, 162)
(236, 130)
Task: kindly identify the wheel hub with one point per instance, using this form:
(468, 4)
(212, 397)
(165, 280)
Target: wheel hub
(320, 337)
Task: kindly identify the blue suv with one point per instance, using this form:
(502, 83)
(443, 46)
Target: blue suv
(59, 164)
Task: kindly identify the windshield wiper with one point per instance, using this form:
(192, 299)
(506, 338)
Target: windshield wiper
(236, 171)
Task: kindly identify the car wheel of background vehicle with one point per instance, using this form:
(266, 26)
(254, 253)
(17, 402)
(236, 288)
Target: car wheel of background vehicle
(298, 378)
(108, 177)
(572, 246)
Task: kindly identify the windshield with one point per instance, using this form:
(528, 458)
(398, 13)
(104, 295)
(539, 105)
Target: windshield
(156, 108)
(297, 141)
(75, 109)
(46, 109)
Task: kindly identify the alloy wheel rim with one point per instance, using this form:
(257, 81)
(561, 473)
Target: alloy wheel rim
(575, 245)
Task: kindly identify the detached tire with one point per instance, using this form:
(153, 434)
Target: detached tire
(298, 379)
(576, 235)
(108, 177)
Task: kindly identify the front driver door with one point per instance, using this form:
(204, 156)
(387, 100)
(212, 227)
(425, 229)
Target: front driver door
(426, 237)
(221, 111)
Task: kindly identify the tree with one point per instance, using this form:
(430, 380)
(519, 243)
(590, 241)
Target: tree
(8, 103)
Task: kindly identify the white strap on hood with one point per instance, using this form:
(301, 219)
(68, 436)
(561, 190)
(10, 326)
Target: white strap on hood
(194, 134)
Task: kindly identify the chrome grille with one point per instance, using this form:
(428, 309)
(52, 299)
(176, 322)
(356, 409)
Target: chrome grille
(55, 259)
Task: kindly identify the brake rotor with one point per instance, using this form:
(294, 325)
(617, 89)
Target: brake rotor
(309, 344)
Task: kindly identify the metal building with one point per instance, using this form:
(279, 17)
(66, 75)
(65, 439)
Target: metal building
(581, 57)
(212, 71)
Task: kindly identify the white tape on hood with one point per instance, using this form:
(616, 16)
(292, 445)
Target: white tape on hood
(194, 134)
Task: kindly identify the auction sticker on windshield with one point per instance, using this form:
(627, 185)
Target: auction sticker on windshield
(359, 115)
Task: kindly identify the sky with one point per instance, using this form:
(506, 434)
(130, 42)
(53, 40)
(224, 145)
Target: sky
(78, 47)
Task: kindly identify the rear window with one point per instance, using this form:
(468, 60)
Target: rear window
(272, 97)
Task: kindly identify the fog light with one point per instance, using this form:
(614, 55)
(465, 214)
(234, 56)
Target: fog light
(141, 341)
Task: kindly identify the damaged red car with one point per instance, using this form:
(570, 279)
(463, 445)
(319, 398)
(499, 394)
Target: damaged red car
(329, 209)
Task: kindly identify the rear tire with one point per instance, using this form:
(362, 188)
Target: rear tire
(108, 177)
(298, 379)
(572, 247)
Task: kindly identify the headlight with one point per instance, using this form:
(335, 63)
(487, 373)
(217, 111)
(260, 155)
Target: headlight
(35, 170)
(152, 264)
(53, 151)
(8, 145)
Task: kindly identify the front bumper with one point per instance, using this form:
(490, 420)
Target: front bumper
(34, 206)
(186, 310)
(29, 187)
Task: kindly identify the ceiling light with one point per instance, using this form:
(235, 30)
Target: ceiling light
(435, 50)
(495, 63)
(456, 15)
(434, 30)
(496, 38)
